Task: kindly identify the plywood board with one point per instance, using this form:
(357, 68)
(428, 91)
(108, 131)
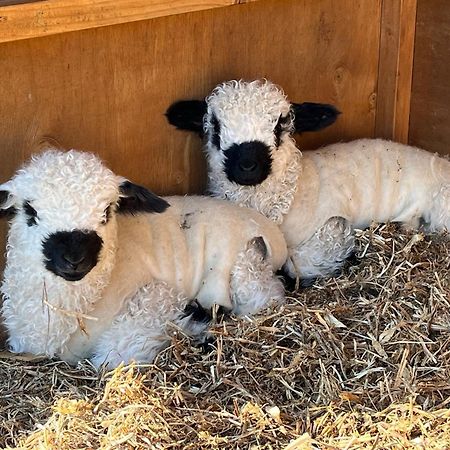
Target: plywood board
(106, 89)
(430, 97)
(397, 31)
(43, 18)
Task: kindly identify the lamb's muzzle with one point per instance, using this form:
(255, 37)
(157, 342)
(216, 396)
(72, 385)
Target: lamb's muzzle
(72, 254)
(248, 163)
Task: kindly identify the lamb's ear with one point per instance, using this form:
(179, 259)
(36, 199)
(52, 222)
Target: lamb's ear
(135, 199)
(313, 116)
(187, 115)
(7, 210)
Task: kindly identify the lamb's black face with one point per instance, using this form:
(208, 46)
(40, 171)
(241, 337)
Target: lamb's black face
(248, 163)
(244, 124)
(72, 254)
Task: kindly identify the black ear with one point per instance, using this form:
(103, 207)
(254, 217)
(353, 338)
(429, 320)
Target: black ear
(313, 116)
(187, 115)
(6, 212)
(135, 199)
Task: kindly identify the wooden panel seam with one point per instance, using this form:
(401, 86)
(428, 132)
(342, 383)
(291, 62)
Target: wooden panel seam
(24, 21)
(430, 93)
(397, 32)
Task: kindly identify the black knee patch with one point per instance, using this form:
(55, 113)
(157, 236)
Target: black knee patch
(423, 223)
(208, 345)
(288, 282)
(197, 312)
(223, 312)
(308, 282)
(352, 260)
(260, 246)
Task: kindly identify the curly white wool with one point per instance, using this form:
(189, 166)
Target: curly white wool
(249, 111)
(246, 111)
(125, 341)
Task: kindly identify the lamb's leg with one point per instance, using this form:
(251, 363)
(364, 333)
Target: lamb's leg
(253, 282)
(141, 331)
(438, 218)
(324, 253)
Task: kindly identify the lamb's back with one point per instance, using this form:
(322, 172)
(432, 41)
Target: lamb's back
(376, 179)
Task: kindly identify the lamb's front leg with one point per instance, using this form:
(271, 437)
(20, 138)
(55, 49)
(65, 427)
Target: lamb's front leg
(141, 331)
(324, 253)
(253, 282)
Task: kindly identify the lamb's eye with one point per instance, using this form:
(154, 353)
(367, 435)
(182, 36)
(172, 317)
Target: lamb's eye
(106, 214)
(31, 213)
(279, 128)
(215, 134)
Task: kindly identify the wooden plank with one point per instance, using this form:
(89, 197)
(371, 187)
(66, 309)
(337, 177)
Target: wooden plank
(17, 2)
(47, 17)
(430, 113)
(395, 69)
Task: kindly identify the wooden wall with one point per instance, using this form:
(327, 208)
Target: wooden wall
(430, 97)
(106, 89)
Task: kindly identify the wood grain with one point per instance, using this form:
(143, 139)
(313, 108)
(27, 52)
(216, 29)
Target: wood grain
(47, 17)
(430, 113)
(395, 69)
(106, 89)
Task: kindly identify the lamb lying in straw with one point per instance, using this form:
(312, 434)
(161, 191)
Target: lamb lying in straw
(317, 197)
(98, 266)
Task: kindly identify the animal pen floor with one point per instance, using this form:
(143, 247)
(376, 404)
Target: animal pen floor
(361, 361)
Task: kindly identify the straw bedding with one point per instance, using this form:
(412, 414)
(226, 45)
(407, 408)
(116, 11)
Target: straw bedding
(360, 361)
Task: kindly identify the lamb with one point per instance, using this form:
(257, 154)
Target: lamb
(319, 197)
(97, 267)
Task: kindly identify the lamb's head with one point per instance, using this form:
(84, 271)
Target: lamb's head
(62, 208)
(245, 124)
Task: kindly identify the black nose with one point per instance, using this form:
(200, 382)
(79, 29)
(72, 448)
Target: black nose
(73, 260)
(248, 166)
(248, 163)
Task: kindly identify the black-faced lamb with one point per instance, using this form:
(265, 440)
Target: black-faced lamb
(317, 197)
(97, 266)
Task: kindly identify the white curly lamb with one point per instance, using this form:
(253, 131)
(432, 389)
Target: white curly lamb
(317, 197)
(98, 266)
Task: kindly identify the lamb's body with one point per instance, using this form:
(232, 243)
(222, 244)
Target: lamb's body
(371, 180)
(362, 181)
(193, 245)
(146, 272)
(319, 197)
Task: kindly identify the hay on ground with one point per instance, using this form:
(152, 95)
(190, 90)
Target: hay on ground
(357, 361)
